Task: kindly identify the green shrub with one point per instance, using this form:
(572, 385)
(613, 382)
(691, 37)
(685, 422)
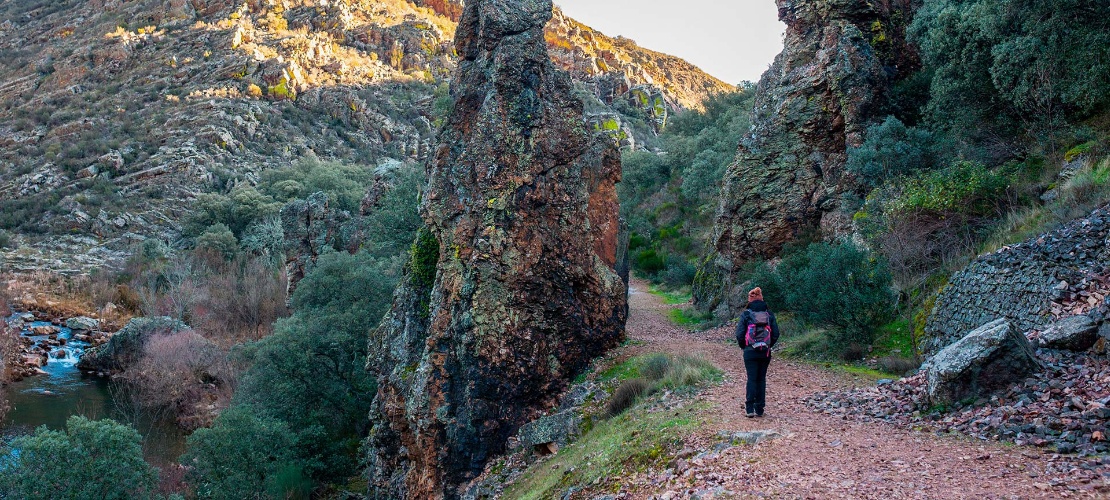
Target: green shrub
(90, 459)
(237, 210)
(218, 239)
(649, 261)
(244, 455)
(345, 184)
(5, 239)
(965, 187)
(841, 286)
(890, 151)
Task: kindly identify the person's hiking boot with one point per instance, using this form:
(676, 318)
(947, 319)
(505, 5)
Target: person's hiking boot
(751, 414)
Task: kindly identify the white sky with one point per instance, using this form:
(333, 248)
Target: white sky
(734, 40)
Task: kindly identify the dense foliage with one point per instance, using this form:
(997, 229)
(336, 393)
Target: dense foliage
(1013, 67)
(307, 382)
(90, 459)
(669, 195)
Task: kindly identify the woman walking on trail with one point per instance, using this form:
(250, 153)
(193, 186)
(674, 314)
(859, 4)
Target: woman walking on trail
(757, 332)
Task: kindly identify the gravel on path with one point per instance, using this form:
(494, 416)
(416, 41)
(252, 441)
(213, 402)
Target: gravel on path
(829, 456)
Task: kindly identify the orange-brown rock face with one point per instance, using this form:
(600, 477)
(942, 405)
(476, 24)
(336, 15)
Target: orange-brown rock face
(512, 288)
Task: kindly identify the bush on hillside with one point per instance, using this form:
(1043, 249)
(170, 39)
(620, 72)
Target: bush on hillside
(892, 150)
(244, 455)
(838, 285)
(90, 459)
(1002, 68)
(344, 183)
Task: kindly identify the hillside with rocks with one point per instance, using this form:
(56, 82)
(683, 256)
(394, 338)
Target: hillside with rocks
(115, 111)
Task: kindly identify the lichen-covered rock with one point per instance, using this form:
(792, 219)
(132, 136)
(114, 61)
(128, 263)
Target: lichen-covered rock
(83, 323)
(1077, 333)
(512, 288)
(309, 227)
(989, 358)
(826, 87)
(1024, 282)
(126, 345)
(547, 434)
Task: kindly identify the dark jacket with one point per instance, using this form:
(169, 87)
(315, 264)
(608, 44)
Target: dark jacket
(746, 319)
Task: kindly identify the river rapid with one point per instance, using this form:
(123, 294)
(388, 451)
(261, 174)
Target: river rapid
(62, 391)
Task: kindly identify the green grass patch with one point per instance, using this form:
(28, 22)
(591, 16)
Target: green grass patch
(894, 339)
(614, 448)
(671, 297)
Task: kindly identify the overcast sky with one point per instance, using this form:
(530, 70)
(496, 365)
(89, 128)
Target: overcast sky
(734, 40)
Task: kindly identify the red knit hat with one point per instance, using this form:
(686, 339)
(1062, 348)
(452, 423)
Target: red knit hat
(755, 294)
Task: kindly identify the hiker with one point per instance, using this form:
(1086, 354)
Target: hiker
(757, 333)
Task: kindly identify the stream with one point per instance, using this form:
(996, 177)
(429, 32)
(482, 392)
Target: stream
(63, 391)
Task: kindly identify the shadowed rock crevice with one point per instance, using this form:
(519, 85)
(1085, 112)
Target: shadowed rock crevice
(523, 290)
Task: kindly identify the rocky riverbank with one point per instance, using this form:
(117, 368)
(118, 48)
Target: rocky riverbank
(41, 336)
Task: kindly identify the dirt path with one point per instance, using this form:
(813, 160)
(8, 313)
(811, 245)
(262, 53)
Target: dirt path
(828, 457)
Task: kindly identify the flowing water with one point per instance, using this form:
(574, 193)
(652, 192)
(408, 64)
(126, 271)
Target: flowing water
(64, 391)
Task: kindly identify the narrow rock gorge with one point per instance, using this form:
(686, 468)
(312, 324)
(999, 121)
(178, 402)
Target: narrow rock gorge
(830, 82)
(513, 285)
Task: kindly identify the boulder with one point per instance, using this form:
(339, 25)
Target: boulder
(546, 435)
(124, 347)
(45, 330)
(1077, 333)
(83, 323)
(989, 358)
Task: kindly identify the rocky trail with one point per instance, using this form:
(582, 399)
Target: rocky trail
(827, 456)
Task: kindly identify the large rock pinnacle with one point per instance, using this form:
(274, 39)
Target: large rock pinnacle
(512, 288)
(829, 83)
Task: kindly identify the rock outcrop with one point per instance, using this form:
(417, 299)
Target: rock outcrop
(1059, 273)
(992, 357)
(126, 345)
(512, 288)
(827, 86)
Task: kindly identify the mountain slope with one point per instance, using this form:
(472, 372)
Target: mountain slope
(114, 111)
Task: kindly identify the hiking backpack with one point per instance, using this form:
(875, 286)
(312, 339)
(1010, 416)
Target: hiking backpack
(759, 331)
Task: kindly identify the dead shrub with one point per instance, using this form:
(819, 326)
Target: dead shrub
(853, 352)
(898, 365)
(179, 374)
(629, 392)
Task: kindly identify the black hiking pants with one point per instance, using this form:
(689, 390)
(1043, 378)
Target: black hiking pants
(756, 363)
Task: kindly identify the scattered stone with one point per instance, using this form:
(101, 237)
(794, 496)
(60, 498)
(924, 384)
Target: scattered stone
(1064, 401)
(748, 437)
(990, 358)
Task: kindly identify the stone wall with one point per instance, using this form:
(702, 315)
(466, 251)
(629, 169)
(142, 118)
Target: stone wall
(1024, 283)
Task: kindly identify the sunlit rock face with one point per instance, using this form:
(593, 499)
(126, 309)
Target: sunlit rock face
(512, 287)
(830, 82)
